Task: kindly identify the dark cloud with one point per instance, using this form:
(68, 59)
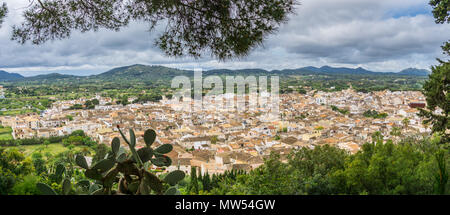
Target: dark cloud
(382, 35)
(369, 41)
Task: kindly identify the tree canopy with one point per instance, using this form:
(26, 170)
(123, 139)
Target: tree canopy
(379, 168)
(441, 10)
(225, 29)
(437, 87)
(3, 12)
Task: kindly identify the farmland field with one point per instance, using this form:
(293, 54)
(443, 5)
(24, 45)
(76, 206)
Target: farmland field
(53, 149)
(5, 133)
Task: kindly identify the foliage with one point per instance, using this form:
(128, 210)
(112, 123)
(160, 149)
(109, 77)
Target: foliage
(27, 186)
(61, 181)
(76, 107)
(226, 29)
(38, 163)
(7, 180)
(123, 100)
(374, 114)
(148, 98)
(206, 182)
(436, 92)
(413, 166)
(6, 133)
(441, 10)
(128, 172)
(437, 87)
(77, 138)
(385, 168)
(396, 131)
(193, 185)
(3, 13)
(79, 133)
(13, 166)
(302, 91)
(69, 117)
(90, 104)
(269, 179)
(442, 176)
(381, 167)
(219, 184)
(446, 48)
(214, 139)
(101, 151)
(334, 108)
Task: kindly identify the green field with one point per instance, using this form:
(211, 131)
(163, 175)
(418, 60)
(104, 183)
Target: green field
(53, 149)
(17, 112)
(5, 133)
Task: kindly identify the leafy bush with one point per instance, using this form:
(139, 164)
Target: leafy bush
(374, 114)
(413, 166)
(27, 186)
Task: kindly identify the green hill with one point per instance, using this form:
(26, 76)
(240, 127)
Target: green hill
(141, 73)
(6, 76)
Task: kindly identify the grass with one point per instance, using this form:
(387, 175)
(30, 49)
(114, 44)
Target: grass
(5, 133)
(16, 112)
(53, 149)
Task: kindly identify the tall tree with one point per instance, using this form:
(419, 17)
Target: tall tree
(193, 186)
(3, 13)
(405, 123)
(441, 10)
(436, 90)
(442, 176)
(437, 87)
(224, 29)
(206, 182)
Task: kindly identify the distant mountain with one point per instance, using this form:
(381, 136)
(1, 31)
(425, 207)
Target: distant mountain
(141, 72)
(49, 77)
(341, 70)
(327, 70)
(241, 72)
(415, 72)
(146, 74)
(6, 76)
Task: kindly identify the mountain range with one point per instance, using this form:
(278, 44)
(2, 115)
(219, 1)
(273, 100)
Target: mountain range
(413, 71)
(144, 72)
(5, 76)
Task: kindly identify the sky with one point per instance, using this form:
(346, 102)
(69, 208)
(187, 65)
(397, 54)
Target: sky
(381, 35)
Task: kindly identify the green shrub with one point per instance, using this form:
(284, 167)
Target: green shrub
(27, 186)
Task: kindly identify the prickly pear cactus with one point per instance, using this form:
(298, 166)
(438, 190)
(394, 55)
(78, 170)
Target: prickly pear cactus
(59, 173)
(130, 171)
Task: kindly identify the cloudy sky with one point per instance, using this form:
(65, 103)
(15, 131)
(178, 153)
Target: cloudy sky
(381, 35)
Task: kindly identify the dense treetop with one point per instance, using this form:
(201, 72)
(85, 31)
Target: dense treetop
(224, 29)
(441, 10)
(437, 87)
(3, 12)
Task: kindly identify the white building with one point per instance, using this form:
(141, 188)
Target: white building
(2, 93)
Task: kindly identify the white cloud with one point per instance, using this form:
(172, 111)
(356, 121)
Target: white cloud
(382, 35)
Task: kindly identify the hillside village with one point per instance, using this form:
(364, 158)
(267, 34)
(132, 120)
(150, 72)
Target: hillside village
(220, 140)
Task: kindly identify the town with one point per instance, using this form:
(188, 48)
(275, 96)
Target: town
(217, 140)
